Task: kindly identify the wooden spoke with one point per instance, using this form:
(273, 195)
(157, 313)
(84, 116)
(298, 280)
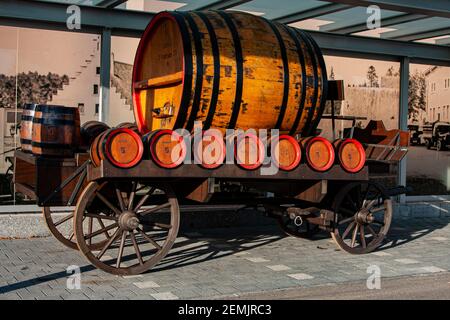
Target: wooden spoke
(102, 230)
(120, 199)
(346, 220)
(153, 242)
(100, 222)
(348, 229)
(66, 218)
(90, 230)
(132, 194)
(378, 209)
(372, 231)
(144, 198)
(71, 236)
(355, 232)
(101, 217)
(155, 209)
(121, 247)
(381, 223)
(362, 236)
(109, 204)
(109, 243)
(136, 248)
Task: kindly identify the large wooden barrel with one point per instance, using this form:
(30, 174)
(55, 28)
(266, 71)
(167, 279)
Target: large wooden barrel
(351, 154)
(121, 146)
(26, 127)
(166, 148)
(56, 131)
(228, 70)
(319, 153)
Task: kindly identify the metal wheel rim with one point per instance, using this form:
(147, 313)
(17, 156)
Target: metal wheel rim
(343, 228)
(138, 268)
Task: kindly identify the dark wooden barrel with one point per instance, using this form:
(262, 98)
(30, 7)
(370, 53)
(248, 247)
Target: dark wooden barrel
(249, 151)
(210, 150)
(319, 153)
(56, 131)
(166, 148)
(26, 126)
(228, 70)
(129, 125)
(120, 146)
(351, 154)
(90, 130)
(285, 152)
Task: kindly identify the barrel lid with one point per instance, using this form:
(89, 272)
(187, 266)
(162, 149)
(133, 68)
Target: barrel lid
(55, 108)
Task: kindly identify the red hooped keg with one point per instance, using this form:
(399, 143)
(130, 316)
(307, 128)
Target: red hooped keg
(249, 151)
(285, 152)
(351, 154)
(167, 148)
(210, 150)
(319, 153)
(122, 147)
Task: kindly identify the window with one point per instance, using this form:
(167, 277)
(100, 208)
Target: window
(97, 108)
(97, 70)
(81, 108)
(95, 88)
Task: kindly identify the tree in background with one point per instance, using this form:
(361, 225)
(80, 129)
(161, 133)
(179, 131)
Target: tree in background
(416, 95)
(372, 77)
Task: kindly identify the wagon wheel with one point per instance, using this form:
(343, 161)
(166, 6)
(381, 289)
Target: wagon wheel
(363, 217)
(305, 230)
(138, 237)
(61, 227)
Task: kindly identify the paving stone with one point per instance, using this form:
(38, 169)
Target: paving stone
(257, 259)
(278, 267)
(407, 261)
(146, 284)
(300, 276)
(164, 296)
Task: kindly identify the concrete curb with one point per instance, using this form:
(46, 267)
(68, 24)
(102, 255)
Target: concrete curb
(32, 224)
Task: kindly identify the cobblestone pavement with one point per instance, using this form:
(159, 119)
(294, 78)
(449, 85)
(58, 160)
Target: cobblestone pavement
(224, 262)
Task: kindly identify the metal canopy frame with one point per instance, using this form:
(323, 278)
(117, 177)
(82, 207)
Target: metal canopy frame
(105, 19)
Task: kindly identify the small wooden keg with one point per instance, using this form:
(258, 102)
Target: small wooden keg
(351, 154)
(285, 152)
(129, 125)
(56, 131)
(166, 148)
(90, 130)
(121, 146)
(319, 153)
(210, 150)
(26, 126)
(249, 151)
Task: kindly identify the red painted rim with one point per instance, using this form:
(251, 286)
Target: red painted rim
(153, 153)
(224, 150)
(330, 148)
(298, 153)
(260, 155)
(361, 151)
(136, 137)
(139, 117)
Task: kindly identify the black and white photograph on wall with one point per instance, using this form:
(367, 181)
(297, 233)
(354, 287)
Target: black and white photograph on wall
(204, 150)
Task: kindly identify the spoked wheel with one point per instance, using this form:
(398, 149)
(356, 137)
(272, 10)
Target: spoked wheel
(61, 227)
(296, 227)
(363, 217)
(139, 223)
